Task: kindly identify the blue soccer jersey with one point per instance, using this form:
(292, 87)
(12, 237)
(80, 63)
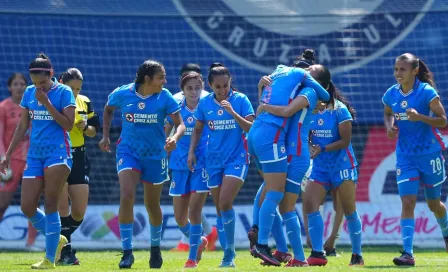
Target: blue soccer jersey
(48, 138)
(325, 130)
(285, 83)
(414, 138)
(142, 134)
(179, 156)
(299, 127)
(227, 141)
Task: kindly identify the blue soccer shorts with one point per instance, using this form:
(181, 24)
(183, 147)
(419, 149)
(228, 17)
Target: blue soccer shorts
(267, 147)
(35, 167)
(184, 182)
(297, 169)
(215, 175)
(151, 171)
(333, 179)
(427, 169)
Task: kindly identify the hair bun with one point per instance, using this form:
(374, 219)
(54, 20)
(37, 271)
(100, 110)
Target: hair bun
(308, 54)
(216, 64)
(42, 56)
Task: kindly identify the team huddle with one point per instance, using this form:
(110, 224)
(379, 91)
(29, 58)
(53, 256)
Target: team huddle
(206, 142)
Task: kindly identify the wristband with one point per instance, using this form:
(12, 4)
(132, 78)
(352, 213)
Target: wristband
(85, 128)
(322, 148)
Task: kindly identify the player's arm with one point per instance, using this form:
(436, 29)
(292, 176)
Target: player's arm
(66, 119)
(2, 131)
(322, 94)
(389, 122)
(108, 114)
(345, 134)
(19, 133)
(439, 120)
(195, 137)
(179, 124)
(93, 122)
(297, 104)
(168, 129)
(264, 81)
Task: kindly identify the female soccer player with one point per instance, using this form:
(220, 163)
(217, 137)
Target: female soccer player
(86, 123)
(10, 111)
(334, 167)
(414, 106)
(141, 150)
(50, 106)
(210, 231)
(189, 188)
(228, 115)
(267, 145)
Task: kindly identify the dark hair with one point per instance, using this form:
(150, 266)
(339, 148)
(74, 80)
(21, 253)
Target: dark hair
(324, 79)
(190, 67)
(148, 68)
(218, 69)
(41, 64)
(70, 74)
(187, 77)
(424, 74)
(14, 75)
(305, 60)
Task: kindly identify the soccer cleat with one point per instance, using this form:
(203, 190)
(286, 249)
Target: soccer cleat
(126, 260)
(265, 254)
(252, 235)
(155, 260)
(229, 256)
(331, 252)
(62, 242)
(446, 243)
(201, 248)
(68, 257)
(356, 260)
(296, 263)
(211, 238)
(190, 264)
(405, 259)
(317, 259)
(45, 264)
(282, 257)
(181, 247)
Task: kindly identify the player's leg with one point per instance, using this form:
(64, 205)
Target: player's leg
(56, 171)
(336, 223)
(199, 191)
(180, 192)
(408, 178)
(345, 182)
(316, 189)
(297, 168)
(433, 176)
(64, 212)
(214, 183)
(232, 181)
(129, 173)
(210, 232)
(155, 173)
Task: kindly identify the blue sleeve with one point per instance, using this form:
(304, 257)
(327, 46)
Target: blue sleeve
(431, 93)
(114, 99)
(199, 114)
(24, 101)
(310, 95)
(386, 99)
(171, 105)
(169, 120)
(343, 115)
(309, 81)
(67, 98)
(246, 107)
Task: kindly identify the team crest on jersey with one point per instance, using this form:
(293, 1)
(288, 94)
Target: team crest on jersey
(241, 30)
(404, 104)
(173, 184)
(398, 171)
(120, 162)
(190, 119)
(141, 105)
(130, 117)
(220, 112)
(210, 125)
(320, 122)
(282, 149)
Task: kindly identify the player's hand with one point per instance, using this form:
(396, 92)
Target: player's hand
(105, 144)
(191, 161)
(41, 96)
(331, 240)
(170, 144)
(413, 115)
(260, 110)
(81, 125)
(264, 81)
(228, 107)
(314, 151)
(392, 132)
(4, 164)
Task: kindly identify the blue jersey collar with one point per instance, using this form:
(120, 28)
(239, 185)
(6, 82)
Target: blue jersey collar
(415, 87)
(183, 104)
(134, 87)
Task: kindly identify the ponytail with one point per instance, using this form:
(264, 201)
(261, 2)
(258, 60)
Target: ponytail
(336, 94)
(424, 74)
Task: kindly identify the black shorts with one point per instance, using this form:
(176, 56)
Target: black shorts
(80, 168)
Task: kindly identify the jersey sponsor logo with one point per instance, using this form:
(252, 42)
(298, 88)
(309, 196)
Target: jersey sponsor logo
(40, 115)
(404, 104)
(142, 118)
(401, 116)
(222, 124)
(244, 32)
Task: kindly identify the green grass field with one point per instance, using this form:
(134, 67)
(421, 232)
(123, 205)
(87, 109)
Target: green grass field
(376, 259)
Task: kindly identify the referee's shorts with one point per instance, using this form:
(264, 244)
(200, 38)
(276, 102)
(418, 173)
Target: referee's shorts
(81, 167)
